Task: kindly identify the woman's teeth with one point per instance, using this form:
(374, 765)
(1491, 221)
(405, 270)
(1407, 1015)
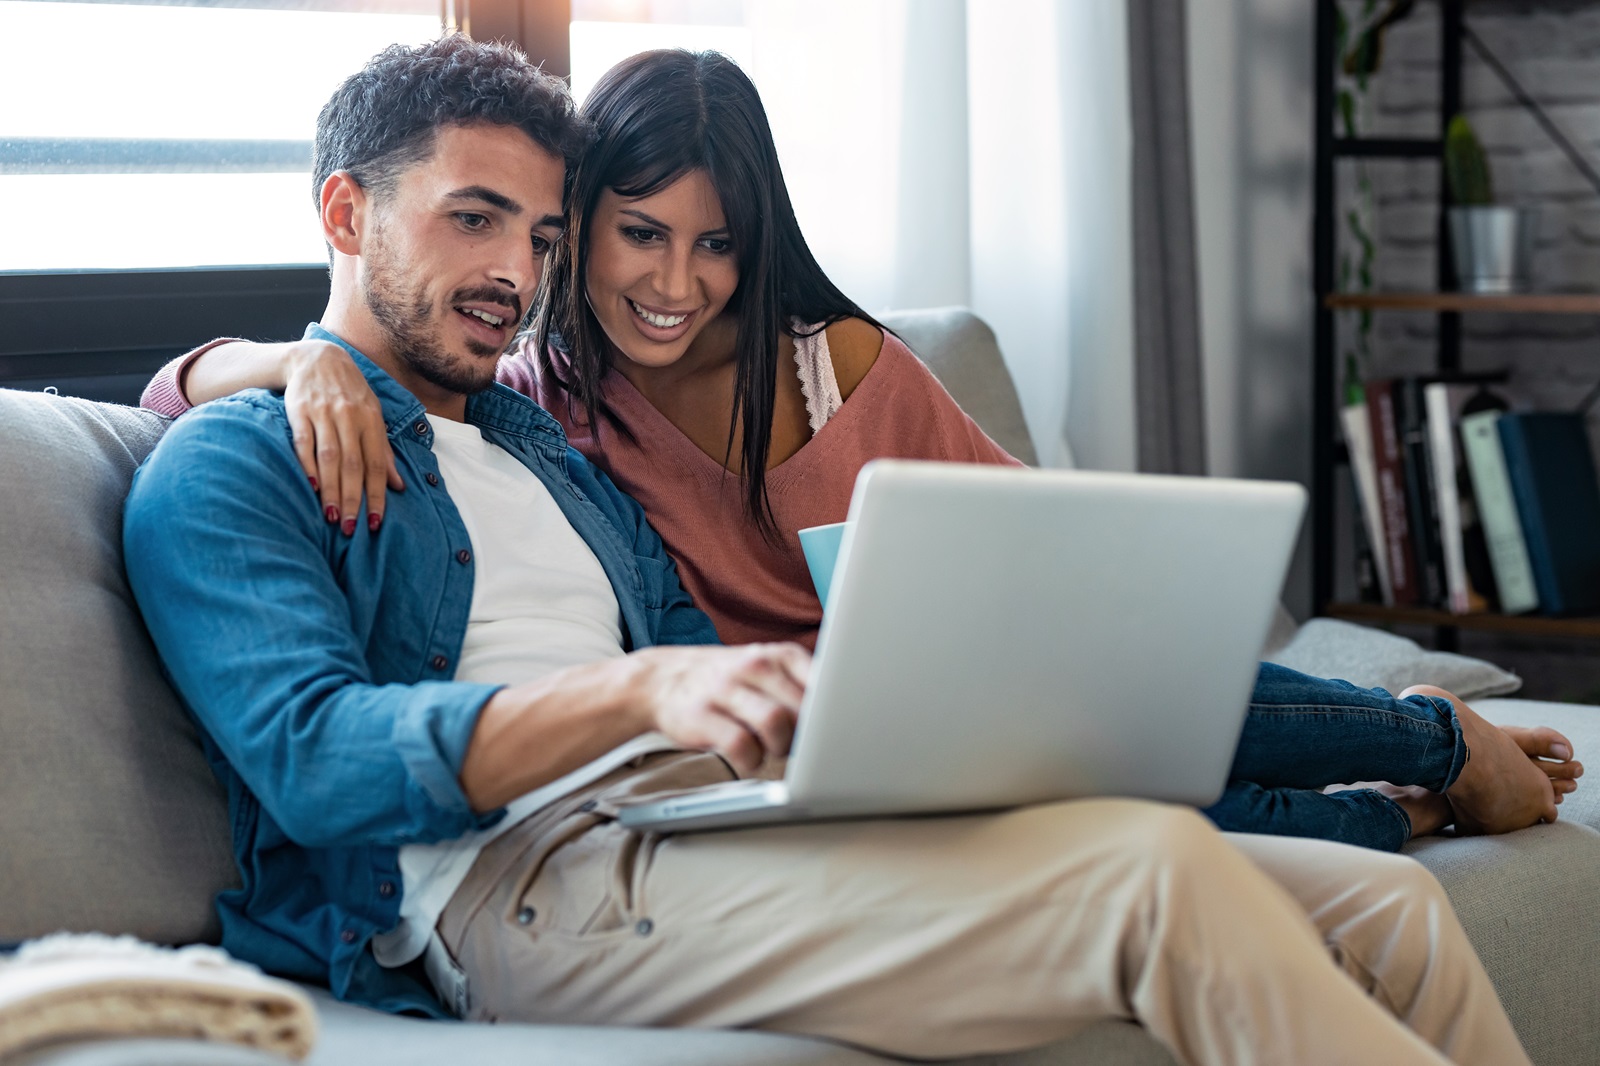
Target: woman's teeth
(659, 321)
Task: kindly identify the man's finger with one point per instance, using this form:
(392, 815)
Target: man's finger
(729, 738)
(771, 722)
(782, 671)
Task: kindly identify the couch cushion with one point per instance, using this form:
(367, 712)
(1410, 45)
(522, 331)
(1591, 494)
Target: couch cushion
(113, 821)
(1530, 901)
(354, 1036)
(1531, 906)
(1373, 658)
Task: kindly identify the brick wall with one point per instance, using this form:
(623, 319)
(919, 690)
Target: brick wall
(1553, 50)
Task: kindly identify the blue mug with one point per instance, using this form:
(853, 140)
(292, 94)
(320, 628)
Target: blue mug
(821, 547)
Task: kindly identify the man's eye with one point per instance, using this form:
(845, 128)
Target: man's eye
(540, 245)
(472, 220)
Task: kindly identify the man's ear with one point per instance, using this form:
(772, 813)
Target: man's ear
(344, 212)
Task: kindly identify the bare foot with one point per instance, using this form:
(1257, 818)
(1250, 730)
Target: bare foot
(1550, 752)
(1429, 811)
(1500, 788)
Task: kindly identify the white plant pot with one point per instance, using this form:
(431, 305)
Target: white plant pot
(1491, 247)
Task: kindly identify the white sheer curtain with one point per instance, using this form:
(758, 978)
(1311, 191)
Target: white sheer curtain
(950, 152)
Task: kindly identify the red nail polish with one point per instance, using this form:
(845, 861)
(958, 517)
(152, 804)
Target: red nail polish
(349, 526)
(314, 486)
(331, 513)
(374, 520)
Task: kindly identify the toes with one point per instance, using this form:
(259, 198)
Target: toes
(1540, 742)
(1560, 771)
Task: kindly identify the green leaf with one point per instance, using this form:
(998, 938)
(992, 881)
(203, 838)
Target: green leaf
(1354, 394)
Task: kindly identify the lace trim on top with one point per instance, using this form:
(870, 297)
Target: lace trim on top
(817, 382)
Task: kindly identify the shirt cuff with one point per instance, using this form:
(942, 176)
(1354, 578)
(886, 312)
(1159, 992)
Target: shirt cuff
(431, 736)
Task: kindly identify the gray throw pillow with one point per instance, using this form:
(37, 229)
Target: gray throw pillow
(1372, 658)
(110, 818)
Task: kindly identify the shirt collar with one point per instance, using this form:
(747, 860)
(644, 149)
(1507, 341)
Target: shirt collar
(497, 407)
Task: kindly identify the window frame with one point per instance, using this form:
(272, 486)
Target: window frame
(100, 334)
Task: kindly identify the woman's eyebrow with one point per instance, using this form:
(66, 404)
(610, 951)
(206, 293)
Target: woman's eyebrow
(660, 225)
(656, 222)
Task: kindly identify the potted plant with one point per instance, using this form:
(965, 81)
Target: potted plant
(1490, 243)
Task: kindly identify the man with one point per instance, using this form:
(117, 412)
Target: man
(424, 726)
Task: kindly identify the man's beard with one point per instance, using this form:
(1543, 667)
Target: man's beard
(415, 339)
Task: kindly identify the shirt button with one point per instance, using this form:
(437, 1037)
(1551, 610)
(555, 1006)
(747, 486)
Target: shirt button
(645, 927)
(348, 936)
(421, 427)
(439, 662)
(463, 557)
(386, 889)
(526, 916)
(431, 478)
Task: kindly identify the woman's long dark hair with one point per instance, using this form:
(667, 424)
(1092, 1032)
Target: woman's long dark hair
(658, 116)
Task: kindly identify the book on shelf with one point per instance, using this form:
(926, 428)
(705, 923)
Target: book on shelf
(1420, 491)
(1557, 493)
(1497, 511)
(1357, 427)
(1469, 579)
(1426, 515)
(1395, 542)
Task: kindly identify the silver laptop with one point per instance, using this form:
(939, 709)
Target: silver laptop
(998, 637)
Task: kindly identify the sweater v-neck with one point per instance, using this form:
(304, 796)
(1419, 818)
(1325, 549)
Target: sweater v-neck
(633, 408)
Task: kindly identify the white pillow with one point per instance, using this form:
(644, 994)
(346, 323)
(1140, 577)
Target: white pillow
(1372, 658)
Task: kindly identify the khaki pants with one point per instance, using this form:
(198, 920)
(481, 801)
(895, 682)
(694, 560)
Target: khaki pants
(938, 937)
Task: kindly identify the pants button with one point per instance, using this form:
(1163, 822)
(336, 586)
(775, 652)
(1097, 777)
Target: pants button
(645, 927)
(526, 915)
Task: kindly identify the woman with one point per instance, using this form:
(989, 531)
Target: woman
(675, 303)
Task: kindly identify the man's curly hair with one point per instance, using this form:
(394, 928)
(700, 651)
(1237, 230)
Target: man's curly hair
(384, 118)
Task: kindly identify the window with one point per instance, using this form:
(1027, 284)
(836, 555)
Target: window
(606, 31)
(174, 134)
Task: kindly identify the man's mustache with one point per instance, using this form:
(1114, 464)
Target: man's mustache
(490, 295)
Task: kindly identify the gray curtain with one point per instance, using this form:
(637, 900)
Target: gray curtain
(1167, 372)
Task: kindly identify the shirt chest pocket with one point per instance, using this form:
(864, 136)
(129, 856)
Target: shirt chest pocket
(652, 582)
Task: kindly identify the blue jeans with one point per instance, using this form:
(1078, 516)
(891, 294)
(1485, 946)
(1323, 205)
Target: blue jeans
(1303, 733)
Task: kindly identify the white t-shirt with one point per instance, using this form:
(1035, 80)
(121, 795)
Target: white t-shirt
(541, 602)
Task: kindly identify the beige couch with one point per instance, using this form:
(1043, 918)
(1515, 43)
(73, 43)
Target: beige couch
(113, 822)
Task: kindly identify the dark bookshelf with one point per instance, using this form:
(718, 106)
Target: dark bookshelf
(1531, 625)
(1530, 303)
(1328, 451)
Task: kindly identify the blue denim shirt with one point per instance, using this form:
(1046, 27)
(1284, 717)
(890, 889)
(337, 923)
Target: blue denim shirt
(320, 666)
